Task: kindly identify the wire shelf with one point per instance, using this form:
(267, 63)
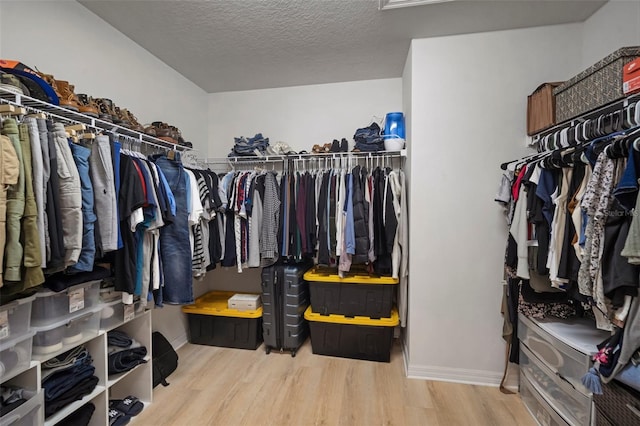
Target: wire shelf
(63, 114)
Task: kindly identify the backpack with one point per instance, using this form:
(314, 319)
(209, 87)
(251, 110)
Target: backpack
(165, 359)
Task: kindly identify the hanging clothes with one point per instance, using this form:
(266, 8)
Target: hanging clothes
(175, 247)
(104, 190)
(9, 176)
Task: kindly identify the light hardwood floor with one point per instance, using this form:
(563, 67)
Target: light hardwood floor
(228, 387)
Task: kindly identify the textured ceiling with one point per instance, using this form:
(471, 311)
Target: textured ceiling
(225, 45)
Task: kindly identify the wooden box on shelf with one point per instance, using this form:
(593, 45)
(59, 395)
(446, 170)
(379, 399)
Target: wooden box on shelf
(541, 108)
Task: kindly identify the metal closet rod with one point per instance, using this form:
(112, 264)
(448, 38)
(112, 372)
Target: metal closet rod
(330, 155)
(589, 115)
(62, 114)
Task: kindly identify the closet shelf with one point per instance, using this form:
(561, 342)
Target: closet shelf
(36, 106)
(73, 407)
(605, 109)
(328, 156)
(113, 379)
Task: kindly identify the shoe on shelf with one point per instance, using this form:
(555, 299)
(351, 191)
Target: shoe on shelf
(165, 132)
(123, 119)
(106, 109)
(162, 129)
(88, 106)
(344, 145)
(12, 83)
(335, 146)
(151, 131)
(68, 98)
(135, 125)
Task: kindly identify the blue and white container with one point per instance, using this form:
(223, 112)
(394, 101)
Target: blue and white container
(394, 131)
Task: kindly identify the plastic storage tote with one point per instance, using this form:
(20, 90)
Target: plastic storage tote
(27, 414)
(15, 318)
(115, 313)
(66, 333)
(50, 307)
(15, 355)
(212, 323)
(358, 337)
(358, 294)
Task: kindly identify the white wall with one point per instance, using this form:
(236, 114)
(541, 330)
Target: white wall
(68, 41)
(65, 39)
(407, 99)
(615, 25)
(469, 93)
(300, 116)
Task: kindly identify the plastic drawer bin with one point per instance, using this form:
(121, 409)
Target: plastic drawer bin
(27, 414)
(537, 406)
(358, 294)
(15, 355)
(65, 334)
(50, 307)
(358, 337)
(15, 318)
(212, 323)
(564, 346)
(571, 404)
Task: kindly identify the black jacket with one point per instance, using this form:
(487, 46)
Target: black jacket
(360, 215)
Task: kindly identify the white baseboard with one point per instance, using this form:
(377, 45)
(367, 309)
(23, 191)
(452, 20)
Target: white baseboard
(460, 375)
(405, 356)
(456, 375)
(179, 341)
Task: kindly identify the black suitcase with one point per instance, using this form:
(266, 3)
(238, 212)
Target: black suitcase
(285, 297)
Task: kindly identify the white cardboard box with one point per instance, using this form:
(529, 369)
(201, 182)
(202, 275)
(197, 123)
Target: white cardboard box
(244, 302)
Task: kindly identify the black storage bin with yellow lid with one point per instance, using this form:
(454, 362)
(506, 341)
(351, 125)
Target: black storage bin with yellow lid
(212, 323)
(357, 337)
(357, 294)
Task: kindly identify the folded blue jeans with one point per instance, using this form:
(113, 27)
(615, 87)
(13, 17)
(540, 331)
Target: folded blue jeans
(62, 381)
(118, 338)
(126, 359)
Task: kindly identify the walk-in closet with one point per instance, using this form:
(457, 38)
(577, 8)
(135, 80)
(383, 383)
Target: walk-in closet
(362, 212)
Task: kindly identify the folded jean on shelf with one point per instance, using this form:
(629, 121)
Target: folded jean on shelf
(364, 147)
(368, 139)
(49, 372)
(81, 389)
(66, 359)
(80, 417)
(119, 339)
(126, 360)
(63, 381)
(248, 147)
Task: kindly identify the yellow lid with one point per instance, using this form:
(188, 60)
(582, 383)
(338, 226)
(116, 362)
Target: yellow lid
(309, 315)
(329, 275)
(215, 303)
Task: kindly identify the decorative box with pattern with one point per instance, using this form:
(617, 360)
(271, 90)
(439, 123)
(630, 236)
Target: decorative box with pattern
(598, 85)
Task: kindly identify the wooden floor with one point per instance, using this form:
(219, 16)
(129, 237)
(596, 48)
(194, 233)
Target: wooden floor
(227, 387)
